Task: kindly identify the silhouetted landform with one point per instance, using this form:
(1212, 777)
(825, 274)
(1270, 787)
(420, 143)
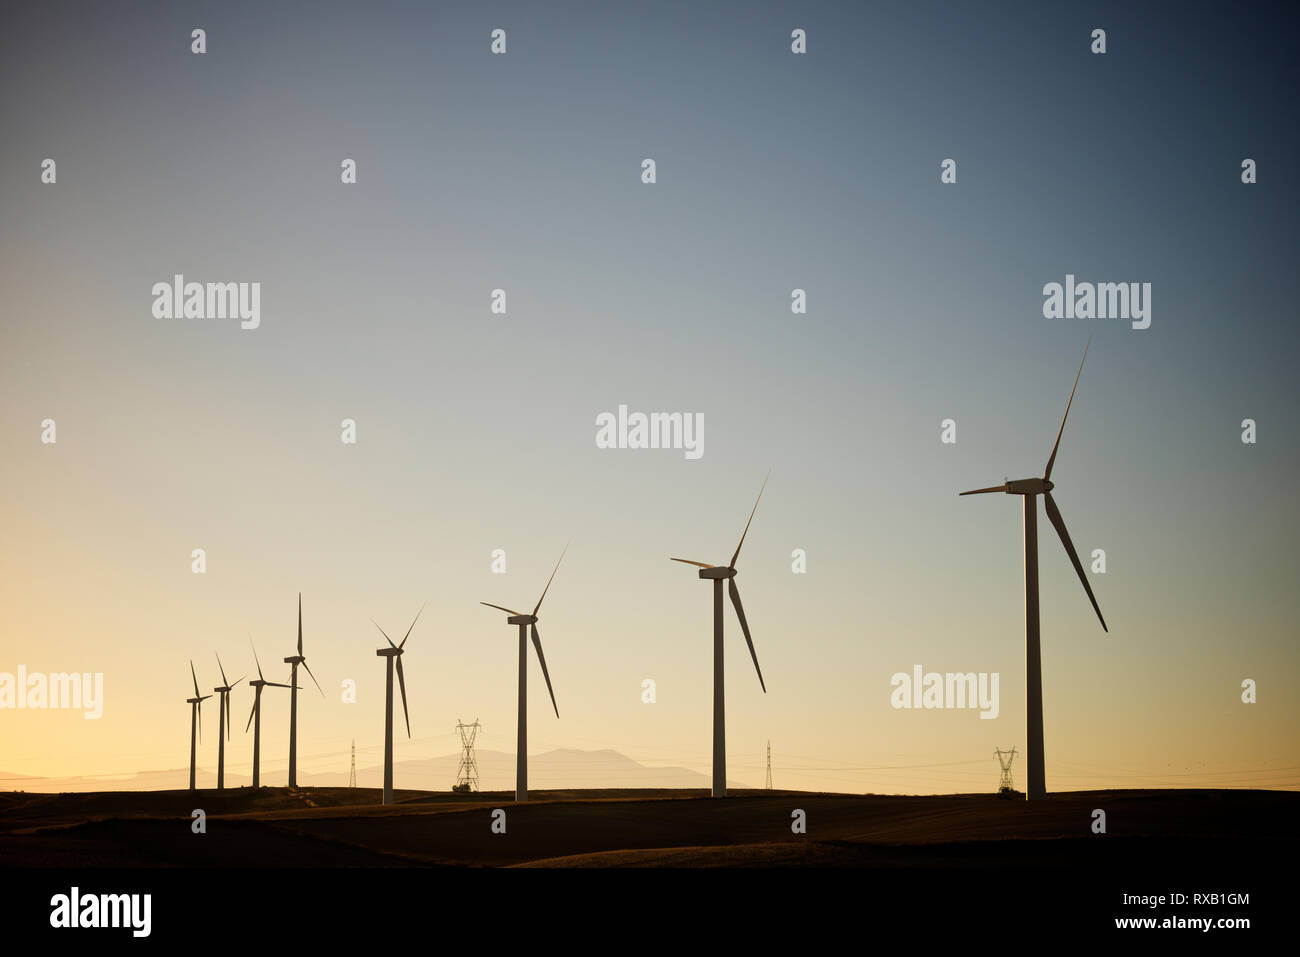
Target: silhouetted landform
(343, 827)
(566, 768)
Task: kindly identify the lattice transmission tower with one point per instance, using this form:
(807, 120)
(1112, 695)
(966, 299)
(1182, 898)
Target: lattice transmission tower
(467, 774)
(769, 766)
(1005, 785)
(352, 776)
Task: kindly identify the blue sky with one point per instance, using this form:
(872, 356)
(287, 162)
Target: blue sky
(476, 431)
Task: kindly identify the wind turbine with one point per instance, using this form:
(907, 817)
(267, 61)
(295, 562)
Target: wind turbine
(718, 573)
(255, 716)
(196, 719)
(393, 653)
(525, 622)
(1029, 489)
(294, 662)
(223, 718)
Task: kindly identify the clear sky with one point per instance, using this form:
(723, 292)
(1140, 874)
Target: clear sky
(476, 431)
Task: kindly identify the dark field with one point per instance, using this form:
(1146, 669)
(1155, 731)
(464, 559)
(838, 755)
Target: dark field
(324, 827)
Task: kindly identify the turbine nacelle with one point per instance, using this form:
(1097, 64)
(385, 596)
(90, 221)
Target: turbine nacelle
(389, 652)
(522, 620)
(1029, 486)
(717, 571)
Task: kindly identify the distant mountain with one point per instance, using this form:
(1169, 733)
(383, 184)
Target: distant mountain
(565, 768)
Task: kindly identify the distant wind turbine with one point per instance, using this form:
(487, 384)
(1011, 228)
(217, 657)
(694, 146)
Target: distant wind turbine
(223, 719)
(393, 653)
(294, 662)
(1028, 489)
(525, 622)
(255, 716)
(718, 573)
(196, 720)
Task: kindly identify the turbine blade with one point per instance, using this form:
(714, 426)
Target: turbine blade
(1054, 514)
(744, 626)
(222, 670)
(508, 611)
(751, 518)
(401, 680)
(541, 658)
(687, 561)
(195, 677)
(981, 491)
(255, 658)
(275, 684)
(250, 714)
(313, 678)
(552, 578)
(413, 621)
(198, 707)
(227, 694)
(382, 632)
(1048, 473)
(299, 624)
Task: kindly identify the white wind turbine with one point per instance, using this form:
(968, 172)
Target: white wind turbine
(1029, 489)
(717, 574)
(525, 623)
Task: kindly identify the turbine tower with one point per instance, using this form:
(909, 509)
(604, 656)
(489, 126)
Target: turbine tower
(293, 663)
(255, 716)
(525, 622)
(223, 718)
(393, 653)
(196, 719)
(717, 573)
(1029, 490)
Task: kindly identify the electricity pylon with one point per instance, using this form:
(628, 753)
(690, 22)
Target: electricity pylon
(467, 774)
(352, 777)
(1005, 786)
(769, 766)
